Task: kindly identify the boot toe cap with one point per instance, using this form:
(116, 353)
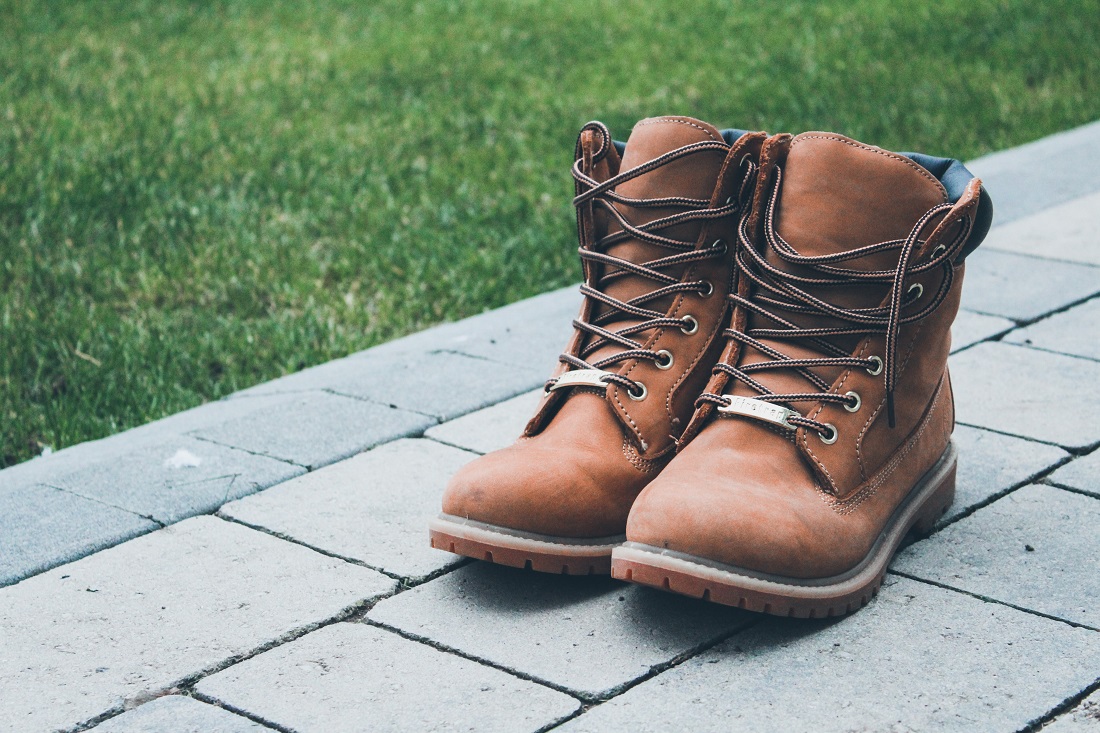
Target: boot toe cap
(736, 524)
(520, 489)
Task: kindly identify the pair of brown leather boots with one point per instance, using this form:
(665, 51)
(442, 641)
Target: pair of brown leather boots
(755, 407)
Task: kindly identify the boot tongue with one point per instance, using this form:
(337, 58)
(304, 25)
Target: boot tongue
(693, 176)
(837, 195)
(652, 138)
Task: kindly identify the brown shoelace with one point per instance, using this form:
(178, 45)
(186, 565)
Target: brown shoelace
(592, 193)
(773, 289)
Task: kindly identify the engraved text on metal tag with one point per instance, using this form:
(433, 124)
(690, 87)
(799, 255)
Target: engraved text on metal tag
(759, 410)
(581, 378)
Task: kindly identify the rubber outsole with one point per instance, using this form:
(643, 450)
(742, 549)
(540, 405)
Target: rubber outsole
(520, 550)
(794, 597)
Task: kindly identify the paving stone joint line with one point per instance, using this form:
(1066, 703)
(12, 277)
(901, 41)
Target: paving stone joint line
(1036, 477)
(186, 684)
(239, 711)
(1063, 707)
(987, 599)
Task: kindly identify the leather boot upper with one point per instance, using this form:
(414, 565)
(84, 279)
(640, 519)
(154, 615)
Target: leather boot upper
(655, 225)
(850, 271)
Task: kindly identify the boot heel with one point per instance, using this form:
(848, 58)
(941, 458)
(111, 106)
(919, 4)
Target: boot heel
(937, 504)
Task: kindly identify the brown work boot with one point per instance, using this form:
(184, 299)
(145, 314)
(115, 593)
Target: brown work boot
(824, 435)
(655, 219)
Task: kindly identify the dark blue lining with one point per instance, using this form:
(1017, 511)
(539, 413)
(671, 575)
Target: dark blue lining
(955, 177)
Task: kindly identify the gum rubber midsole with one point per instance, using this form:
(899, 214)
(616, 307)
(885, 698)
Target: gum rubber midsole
(852, 581)
(539, 544)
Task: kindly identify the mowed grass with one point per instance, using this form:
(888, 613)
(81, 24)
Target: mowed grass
(198, 197)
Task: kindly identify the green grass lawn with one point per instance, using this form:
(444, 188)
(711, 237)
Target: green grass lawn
(195, 197)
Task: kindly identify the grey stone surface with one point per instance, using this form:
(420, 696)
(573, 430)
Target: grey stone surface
(176, 478)
(990, 463)
(919, 658)
(1085, 718)
(1035, 548)
(1023, 288)
(586, 634)
(134, 621)
(354, 677)
(315, 429)
(1082, 474)
(969, 328)
(151, 436)
(442, 384)
(1041, 174)
(1030, 393)
(1075, 331)
(489, 429)
(1067, 232)
(179, 714)
(373, 508)
(41, 527)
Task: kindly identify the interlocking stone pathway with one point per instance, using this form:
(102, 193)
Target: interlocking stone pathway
(261, 562)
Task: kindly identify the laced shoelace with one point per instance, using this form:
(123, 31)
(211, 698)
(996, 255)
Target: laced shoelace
(774, 290)
(602, 195)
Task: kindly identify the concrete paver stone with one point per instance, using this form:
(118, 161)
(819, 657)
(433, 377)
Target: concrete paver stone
(969, 328)
(590, 635)
(176, 478)
(138, 619)
(919, 658)
(440, 384)
(494, 427)
(1035, 548)
(316, 429)
(41, 527)
(1025, 392)
(1023, 288)
(373, 508)
(990, 463)
(353, 677)
(1070, 232)
(1075, 332)
(1082, 474)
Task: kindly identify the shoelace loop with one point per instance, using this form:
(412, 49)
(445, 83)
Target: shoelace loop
(601, 195)
(775, 289)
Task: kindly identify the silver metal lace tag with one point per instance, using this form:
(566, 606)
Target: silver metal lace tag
(758, 410)
(580, 378)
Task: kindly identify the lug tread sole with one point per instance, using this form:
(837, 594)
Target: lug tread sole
(520, 552)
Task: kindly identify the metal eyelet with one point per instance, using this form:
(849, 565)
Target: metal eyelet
(729, 201)
(877, 369)
(691, 329)
(857, 405)
(940, 249)
(668, 359)
(914, 287)
(641, 394)
(719, 245)
(708, 289)
(832, 436)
